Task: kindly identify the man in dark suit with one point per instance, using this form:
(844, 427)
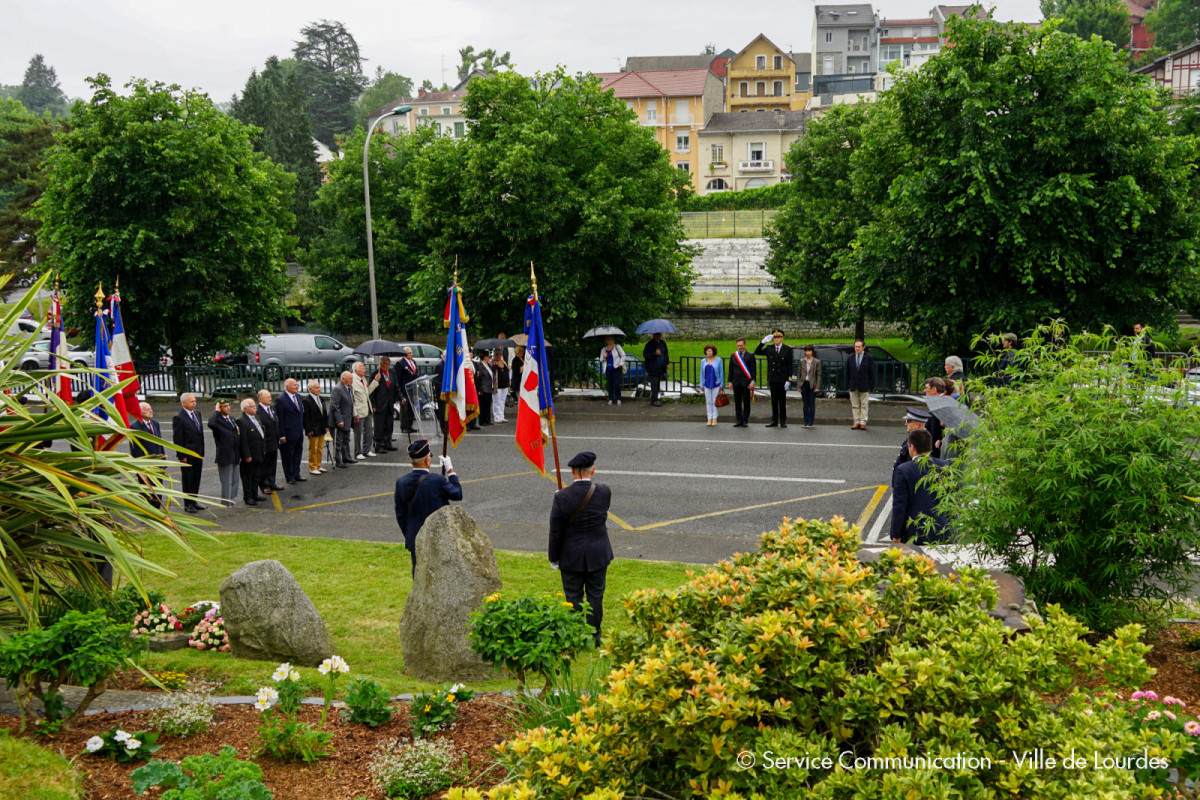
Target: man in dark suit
(270, 425)
(655, 359)
(742, 371)
(860, 381)
(485, 382)
(914, 505)
(229, 450)
(579, 546)
(316, 423)
(143, 449)
(341, 420)
(779, 371)
(420, 493)
(289, 412)
(252, 444)
(439, 373)
(405, 373)
(383, 400)
(186, 432)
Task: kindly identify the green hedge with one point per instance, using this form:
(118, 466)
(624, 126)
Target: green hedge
(747, 199)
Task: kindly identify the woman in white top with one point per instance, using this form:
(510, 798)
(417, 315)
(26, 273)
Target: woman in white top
(612, 361)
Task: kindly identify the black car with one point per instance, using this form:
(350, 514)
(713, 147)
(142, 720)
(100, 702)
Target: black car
(891, 374)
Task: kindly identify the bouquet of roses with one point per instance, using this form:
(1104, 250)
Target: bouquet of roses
(159, 619)
(210, 634)
(198, 611)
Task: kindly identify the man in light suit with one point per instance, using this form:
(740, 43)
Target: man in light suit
(913, 502)
(342, 419)
(229, 450)
(579, 546)
(289, 411)
(186, 432)
(252, 446)
(420, 493)
(860, 381)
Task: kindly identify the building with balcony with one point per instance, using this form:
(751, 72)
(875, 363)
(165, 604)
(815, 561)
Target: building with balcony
(905, 44)
(745, 150)
(1178, 72)
(762, 77)
(845, 40)
(441, 110)
(676, 103)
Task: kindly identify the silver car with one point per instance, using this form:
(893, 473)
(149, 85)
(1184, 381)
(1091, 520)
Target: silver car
(37, 357)
(280, 352)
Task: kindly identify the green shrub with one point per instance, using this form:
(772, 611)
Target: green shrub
(123, 746)
(799, 650)
(555, 708)
(1191, 641)
(203, 777)
(367, 703)
(415, 769)
(529, 634)
(119, 605)
(1078, 475)
(748, 199)
(430, 712)
(30, 772)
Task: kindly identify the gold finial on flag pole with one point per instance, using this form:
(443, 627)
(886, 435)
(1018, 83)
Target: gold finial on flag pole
(456, 270)
(99, 296)
(533, 278)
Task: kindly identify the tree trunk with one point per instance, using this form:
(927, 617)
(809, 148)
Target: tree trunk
(860, 325)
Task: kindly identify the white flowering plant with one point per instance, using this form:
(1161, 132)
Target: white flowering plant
(416, 768)
(190, 712)
(123, 746)
(281, 733)
(210, 634)
(159, 619)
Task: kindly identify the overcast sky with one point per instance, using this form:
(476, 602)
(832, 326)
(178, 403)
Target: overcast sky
(213, 44)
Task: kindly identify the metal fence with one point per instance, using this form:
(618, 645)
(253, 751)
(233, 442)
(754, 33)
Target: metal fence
(238, 380)
(725, 224)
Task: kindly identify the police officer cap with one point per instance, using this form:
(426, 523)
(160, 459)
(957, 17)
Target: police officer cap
(915, 414)
(582, 460)
(777, 332)
(418, 449)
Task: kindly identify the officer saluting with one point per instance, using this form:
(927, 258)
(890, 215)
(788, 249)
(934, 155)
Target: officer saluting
(420, 493)
(579, 546)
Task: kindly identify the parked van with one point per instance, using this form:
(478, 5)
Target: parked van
(287, 350)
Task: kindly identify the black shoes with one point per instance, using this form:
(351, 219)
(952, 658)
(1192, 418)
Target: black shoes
(772, 424)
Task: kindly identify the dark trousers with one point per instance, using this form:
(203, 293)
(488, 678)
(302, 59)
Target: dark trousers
(741, 403)
(655, 384)
(413, 553)
(189, 477)
(266, 469)
(249, 474)
(341, 451)
(576, 583)
(383, 429)
(778, 403)
(810, 402)
(406, 412)
(290, 453)
(613, 379)
(485, 408)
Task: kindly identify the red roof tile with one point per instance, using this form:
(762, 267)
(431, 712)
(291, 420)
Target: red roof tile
(655, 83)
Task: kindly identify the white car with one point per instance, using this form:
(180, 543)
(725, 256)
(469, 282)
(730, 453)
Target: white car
(37, 357)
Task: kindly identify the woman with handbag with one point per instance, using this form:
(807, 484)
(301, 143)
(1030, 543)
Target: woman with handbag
(612, 361)
(712, 378)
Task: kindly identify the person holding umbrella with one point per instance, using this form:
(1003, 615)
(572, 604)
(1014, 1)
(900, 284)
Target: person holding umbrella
(655, 355)
(612, 359)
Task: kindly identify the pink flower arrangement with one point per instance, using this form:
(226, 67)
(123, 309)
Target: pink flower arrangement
(210, 635)
(160, 619)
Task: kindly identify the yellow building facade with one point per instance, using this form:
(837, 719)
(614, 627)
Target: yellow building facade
(762, 77)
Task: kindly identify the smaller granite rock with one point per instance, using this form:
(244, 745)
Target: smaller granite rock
(270, 618)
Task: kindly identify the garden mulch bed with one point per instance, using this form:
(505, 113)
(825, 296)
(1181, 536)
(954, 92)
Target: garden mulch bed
(482, 723)
(1177, 675)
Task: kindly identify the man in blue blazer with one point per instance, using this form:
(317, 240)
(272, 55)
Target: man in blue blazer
(420, 493)
(579, 546)
(913, 503)
(860, 381)
(289, 410)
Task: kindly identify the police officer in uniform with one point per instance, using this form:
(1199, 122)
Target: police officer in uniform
(420, 493)
(579, 546)
(914, 419)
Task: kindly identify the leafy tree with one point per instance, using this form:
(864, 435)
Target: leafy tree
(24, 141)
(336, 262)
(1108, 19)
(1174, 23)
(386, 88)
(559, 174)
(710, 49)
(39, 91)
(428, 86)
(486, 60)
(274, 102)
(1078, 479)
(1031, 176)
(163, 191)
(331, 74)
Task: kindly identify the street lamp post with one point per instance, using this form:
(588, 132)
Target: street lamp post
(395, 112)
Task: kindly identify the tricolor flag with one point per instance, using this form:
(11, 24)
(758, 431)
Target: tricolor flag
(458, 378)
(535, 406)
(122, 360)
(105, 377)
(59, 360)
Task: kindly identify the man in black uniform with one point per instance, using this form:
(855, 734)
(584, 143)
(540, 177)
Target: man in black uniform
(186, 432)
(779, 371)
(420, 493)
(914, 419)
(579, 546)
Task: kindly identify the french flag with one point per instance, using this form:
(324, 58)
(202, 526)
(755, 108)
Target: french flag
(535, 409)
(122, 361)
(59, 361)
(458, 378)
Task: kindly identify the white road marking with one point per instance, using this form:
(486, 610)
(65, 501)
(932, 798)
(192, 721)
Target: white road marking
(884, 518)
(602, 472)
(697, 441)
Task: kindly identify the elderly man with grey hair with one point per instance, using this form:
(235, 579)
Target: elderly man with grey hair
(270, 425)
(342, 420)
(188, 433)
(140, 448)
(364, 430)
(252, 446)
(954, 368)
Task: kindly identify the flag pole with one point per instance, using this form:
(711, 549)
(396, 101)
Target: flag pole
(446, 427)
(553, 432)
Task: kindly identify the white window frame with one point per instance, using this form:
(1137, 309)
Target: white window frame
(762, 148)
(718, 154)
(684, 166)
(445, 111)
(652, 112)
(828, 36)
(777, 87)
(723, 187)
(425, 111)
(760, 62)
(744, 87)
(683, 143)
(778, 62)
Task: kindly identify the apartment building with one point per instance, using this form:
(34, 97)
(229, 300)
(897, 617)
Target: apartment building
(845, 40)
(745, 150)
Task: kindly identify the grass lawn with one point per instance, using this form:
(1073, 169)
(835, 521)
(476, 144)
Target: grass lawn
(31, 772)
(359, 589)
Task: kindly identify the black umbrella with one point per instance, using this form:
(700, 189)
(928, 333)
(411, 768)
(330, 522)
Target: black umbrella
(493, 344)
(601, 331)
(378, 347)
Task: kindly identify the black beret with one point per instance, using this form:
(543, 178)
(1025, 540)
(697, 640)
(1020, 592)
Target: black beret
(419, 448)
(582, 460)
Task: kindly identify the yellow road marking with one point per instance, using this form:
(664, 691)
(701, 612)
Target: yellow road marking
(748, 508)
(389, 494)
(621, 522)
(865, 516)
(275, 501)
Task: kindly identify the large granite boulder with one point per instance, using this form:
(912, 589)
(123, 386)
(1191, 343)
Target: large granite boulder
(456, 570)
(269, 617)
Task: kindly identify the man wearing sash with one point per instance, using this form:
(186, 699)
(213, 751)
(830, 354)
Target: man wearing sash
(741, 380)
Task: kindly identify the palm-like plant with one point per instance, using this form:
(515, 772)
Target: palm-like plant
(64, 512)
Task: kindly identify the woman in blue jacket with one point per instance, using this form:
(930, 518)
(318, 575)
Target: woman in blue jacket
(712, 378)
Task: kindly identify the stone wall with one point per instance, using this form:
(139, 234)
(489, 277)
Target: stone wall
(754, 323)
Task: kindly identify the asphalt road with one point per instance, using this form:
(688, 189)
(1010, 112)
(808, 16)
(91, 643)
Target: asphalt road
(681, 491)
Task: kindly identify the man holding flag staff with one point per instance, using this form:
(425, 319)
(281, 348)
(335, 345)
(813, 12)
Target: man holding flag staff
(420, 493)
(579, 547)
